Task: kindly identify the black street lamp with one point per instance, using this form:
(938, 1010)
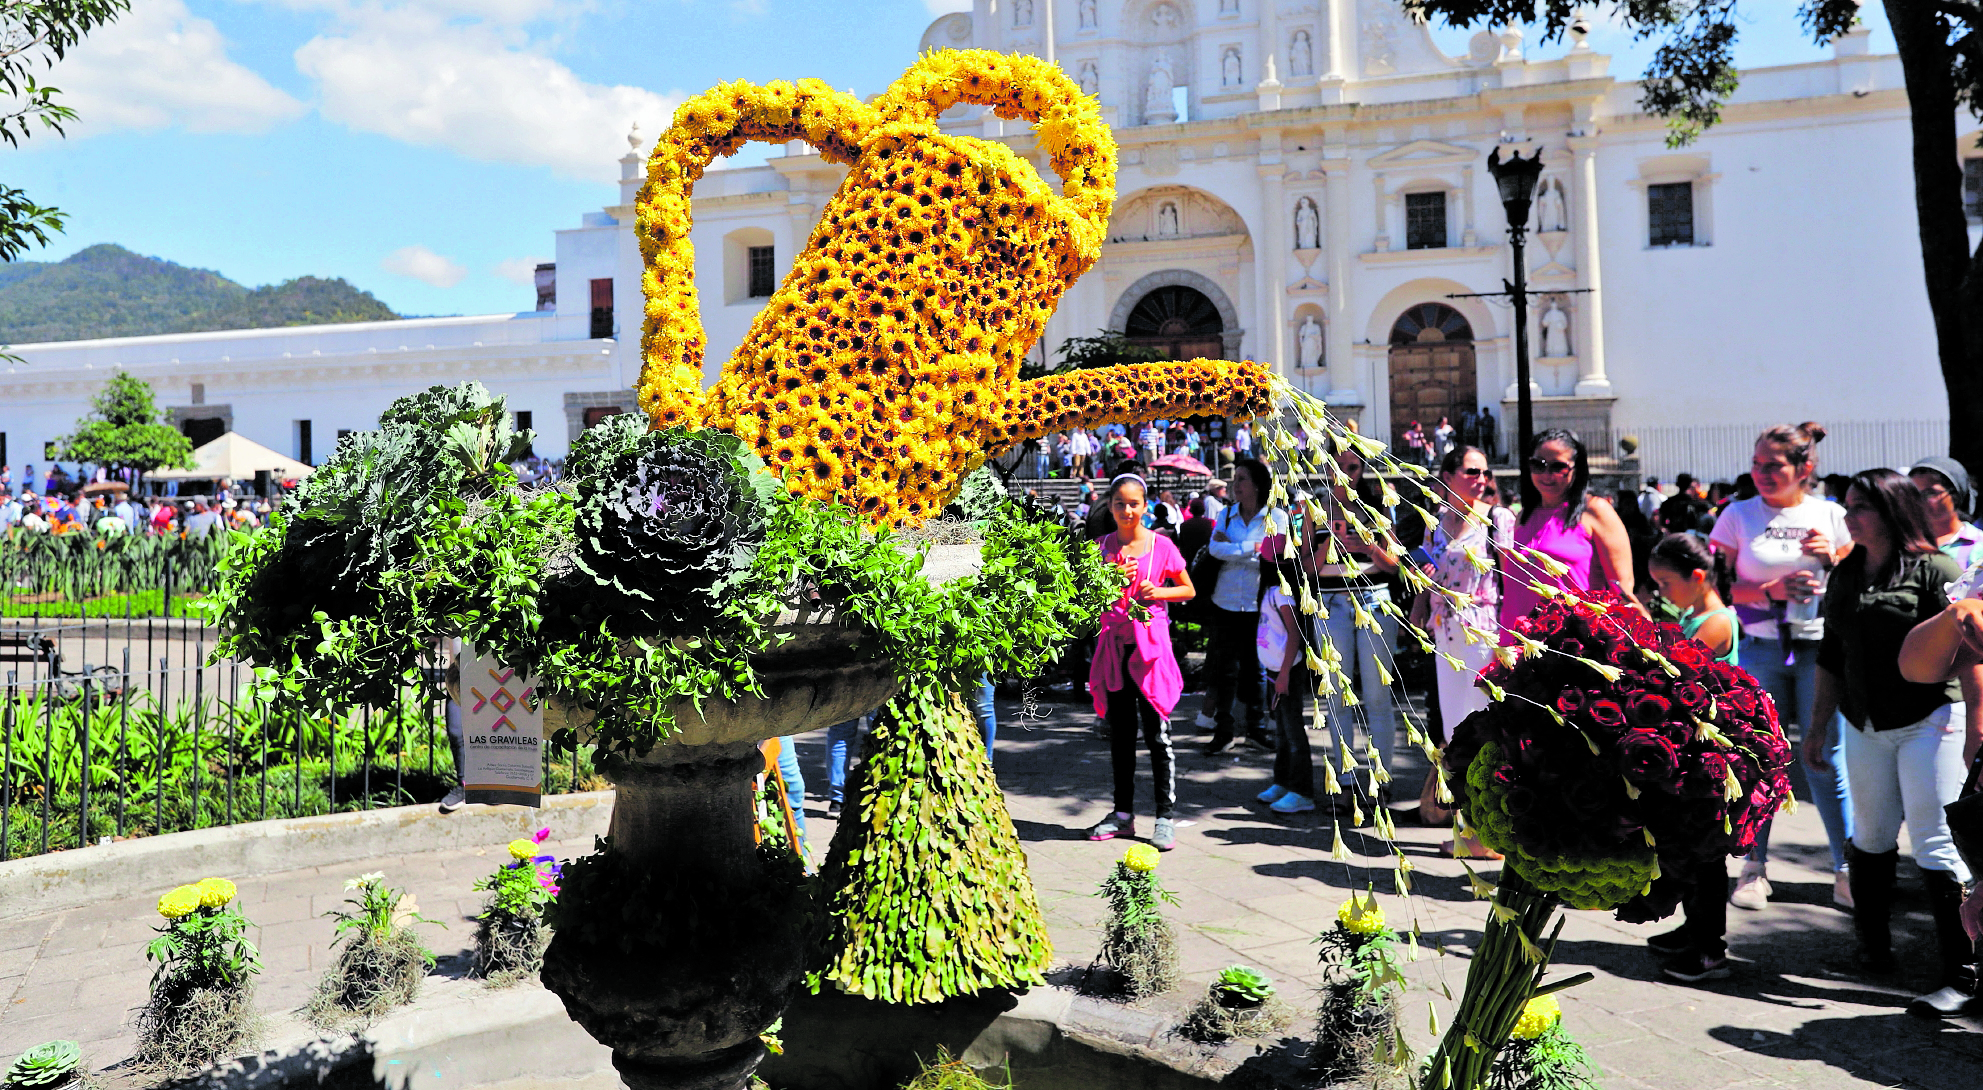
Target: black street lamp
(1516, 178)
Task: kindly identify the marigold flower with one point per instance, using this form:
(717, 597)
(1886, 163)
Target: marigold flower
(1539, 1016)
(183, 901)
(1140, 857)
(214, 892)
(1361, 916)
(521, 850)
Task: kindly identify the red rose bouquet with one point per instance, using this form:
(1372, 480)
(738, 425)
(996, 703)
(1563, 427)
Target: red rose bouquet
(1616, 756)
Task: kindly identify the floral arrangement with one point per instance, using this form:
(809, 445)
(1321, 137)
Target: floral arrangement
(1540, 1055)
(382, 961)
(44, 1067)
(1617, 755)
(885, 369)
(510, 934)
(1357, 1032)
(1138, 943)
(201, 1003)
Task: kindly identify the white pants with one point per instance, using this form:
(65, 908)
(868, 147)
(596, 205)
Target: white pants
(1908, 774)
(1459, 697)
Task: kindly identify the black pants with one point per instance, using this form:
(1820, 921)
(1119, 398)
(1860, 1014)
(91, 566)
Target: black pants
(1294, 761)
(1706, 907)
(1232, 667)
(1130, 714)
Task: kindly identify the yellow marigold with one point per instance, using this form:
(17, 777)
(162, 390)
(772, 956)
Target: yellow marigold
(1361, 915)
(215, 892)
(1539, 1016)
(521, 849)
(183, 901)
(1140, 857)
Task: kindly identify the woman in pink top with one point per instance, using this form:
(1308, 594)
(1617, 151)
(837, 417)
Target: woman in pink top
(1134, 676)
(1581, 533)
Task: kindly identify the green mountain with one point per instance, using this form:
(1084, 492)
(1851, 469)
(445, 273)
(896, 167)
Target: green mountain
(108, 291)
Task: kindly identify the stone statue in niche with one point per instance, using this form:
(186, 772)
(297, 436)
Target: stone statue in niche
(1087, 14)
(1229, 68)
(1090, 78)
(1022, 12)
(1308, 343)
(1307, 226)
(1167, 220)
(1301, 54)
(1555, 332)
(1550, 213)
(1157, 105)
(1228, 7)
(1163, 17)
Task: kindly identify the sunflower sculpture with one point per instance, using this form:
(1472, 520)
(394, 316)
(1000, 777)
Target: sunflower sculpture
(885, 368)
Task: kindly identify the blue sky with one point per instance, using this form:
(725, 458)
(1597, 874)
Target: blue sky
(426, 149)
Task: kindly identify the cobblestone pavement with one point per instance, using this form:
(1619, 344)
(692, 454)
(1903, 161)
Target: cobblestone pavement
(1255, 889)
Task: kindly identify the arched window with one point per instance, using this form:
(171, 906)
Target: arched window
(1430, 322)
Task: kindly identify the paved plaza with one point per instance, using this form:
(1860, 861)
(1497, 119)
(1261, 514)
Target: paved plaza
(1255, 889)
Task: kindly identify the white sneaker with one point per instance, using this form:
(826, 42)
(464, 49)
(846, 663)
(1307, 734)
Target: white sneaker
(1842, 889)
(1205, 722)
(1752, 890)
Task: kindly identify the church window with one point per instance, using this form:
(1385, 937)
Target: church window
(1425, 221)
(1670, 208)
(1972, 187)
(762, 282)
(602, 307)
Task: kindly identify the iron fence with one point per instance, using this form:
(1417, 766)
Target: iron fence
(1721, 452)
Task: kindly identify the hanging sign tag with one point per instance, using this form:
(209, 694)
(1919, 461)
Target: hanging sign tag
(502, 733)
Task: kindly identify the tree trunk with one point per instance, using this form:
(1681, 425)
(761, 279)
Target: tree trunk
(1954, 274)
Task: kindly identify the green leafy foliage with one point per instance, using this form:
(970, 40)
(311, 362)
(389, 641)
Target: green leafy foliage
(108, 291)
(1105, 349)
(123, 430)
(205, 949)
(1244, 982)
(925, 888)
(45, 1066)
(375, 912)
(36, 34)
(78, 567)
(1550, 1062)
(1367, 962)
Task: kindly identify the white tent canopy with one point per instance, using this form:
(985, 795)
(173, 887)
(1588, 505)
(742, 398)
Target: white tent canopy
(235, 458)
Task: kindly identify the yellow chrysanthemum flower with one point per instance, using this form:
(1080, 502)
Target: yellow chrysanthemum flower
(521, 849)
(183, 901)
(1140, 857)
(215, 892)
(1539, 1016)
(1361, 916)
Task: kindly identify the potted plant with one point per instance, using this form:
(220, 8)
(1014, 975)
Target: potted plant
(1239, 1003)
(48, 1066)
(201, 1005)
(1356, 1029)
(510, 933)
(1138, 944)
(382, 960)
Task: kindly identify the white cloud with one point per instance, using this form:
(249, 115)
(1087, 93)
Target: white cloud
(519, 270)
(424, 265)
(159, 65)
(468, 77)
(945, 7)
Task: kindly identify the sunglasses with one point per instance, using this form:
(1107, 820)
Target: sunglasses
(1475, 471)
(1538, 465)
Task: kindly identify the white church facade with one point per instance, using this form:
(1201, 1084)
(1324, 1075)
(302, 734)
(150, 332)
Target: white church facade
(1304, 183)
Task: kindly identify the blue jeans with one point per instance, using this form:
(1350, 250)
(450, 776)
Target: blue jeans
(1362, 652)
(843, 751)
(795, 782)
(985, 712)
(1794, 688)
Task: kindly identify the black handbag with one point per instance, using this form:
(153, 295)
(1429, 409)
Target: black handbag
(1965, 817)
(1205, 567)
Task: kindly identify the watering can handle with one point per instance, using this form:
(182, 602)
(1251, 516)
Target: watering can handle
(1067, 121)
(715, 123)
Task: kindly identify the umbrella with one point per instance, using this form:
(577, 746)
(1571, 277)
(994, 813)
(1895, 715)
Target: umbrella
(1183, 463)
(236, 458)
(95, 487)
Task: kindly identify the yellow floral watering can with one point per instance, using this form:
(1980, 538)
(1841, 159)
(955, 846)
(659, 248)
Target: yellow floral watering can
(885, 367)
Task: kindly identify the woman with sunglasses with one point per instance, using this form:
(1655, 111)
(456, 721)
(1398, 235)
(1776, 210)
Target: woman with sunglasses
(1581, 534)
(1462, 549)
(1905, 742)
(1784, 540)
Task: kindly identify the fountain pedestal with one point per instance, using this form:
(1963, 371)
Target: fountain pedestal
(684, 941)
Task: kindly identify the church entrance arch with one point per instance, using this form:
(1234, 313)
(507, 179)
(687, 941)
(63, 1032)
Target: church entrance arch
(1179, 313)
(1432, 369)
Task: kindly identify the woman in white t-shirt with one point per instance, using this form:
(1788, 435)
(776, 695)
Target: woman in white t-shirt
(1784, 542)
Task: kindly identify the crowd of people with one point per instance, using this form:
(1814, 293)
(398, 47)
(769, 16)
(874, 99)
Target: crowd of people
(61, 506)
(1084, 453)
(1855, 601)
